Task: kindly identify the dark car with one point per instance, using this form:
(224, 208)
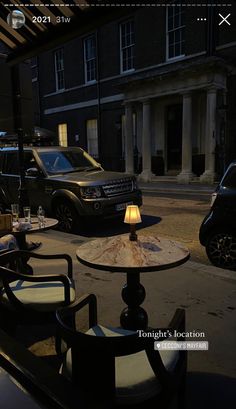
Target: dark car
(68, 183)
(218, 229)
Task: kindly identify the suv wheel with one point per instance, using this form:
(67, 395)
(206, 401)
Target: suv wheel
(221, 249)
(67, 216)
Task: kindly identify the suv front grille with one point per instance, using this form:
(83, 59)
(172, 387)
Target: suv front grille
(118, 187)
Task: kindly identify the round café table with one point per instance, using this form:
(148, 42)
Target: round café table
(119, 254)
(20, 236)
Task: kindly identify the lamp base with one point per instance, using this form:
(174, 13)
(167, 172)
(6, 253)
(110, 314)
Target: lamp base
(133, 236)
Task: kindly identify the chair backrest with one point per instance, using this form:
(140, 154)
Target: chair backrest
(93, 357)
(8, 243)
(7, 276)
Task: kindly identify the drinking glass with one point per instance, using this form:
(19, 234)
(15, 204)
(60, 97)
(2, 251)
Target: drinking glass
(15, 212)
(26, 210)
(41, 217)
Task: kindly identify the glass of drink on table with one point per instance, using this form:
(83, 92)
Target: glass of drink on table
(41, 217)
(15, 212)
(26, 210)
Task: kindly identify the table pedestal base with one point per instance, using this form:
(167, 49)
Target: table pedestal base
(23, 266)
(133, 317)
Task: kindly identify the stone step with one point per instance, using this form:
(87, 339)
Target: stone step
(172, 179)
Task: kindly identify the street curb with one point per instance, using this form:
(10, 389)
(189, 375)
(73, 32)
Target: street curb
(227, 275)
(177, 191)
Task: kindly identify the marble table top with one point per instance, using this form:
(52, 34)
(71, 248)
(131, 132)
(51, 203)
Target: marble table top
(118, 253)
(49, 224)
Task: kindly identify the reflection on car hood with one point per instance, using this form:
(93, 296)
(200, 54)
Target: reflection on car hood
(93, 177)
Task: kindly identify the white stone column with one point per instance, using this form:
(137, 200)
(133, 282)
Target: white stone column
(146, 174)
(139, 113)
(210, 137)
(186, 173)
(129, 145)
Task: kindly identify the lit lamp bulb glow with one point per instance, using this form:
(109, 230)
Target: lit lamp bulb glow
(132, 216)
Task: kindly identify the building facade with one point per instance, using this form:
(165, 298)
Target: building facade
(15, 96)
(151, 93)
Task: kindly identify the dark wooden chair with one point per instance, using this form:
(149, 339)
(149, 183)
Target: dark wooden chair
(32, 299)
(27, 382)
(116, 367)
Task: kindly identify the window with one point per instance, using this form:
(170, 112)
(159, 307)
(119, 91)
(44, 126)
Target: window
(29, 161)
(127, 46)
(62, 133)
(90, 58)
(59, 69)
(92, 137)
(175, 31)
(11, 165)
(65, 161)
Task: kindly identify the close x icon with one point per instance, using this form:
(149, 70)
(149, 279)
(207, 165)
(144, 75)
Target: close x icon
(224, 19)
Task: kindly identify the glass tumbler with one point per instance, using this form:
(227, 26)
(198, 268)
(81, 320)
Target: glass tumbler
(41, 217)
(26, 210)
(15, 212)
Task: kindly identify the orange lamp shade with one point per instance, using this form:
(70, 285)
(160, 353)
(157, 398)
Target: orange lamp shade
(132, 215)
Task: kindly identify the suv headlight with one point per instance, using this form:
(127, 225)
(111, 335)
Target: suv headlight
(91, 192)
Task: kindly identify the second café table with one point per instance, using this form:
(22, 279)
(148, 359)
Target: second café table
(20, 236)
(119, 254)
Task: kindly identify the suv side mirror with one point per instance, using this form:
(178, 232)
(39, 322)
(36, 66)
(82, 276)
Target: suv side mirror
(32, 172)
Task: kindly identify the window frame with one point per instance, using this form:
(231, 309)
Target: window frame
(122, 70)
(180, 28)
(57, 71)
(85, 39)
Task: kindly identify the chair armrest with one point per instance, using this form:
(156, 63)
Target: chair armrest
(12, 275)
(70, 310)
(3, 251)
(15, 254)
(178, 322)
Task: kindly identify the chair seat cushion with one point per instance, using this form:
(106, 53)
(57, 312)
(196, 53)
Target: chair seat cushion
(135, 379)
(45, 296)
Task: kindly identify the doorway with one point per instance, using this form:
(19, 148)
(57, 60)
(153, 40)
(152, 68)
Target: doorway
(174, 138)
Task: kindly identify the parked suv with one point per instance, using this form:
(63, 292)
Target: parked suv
(68, 183)
(218, 229)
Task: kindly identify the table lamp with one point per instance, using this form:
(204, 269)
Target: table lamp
(132, 216)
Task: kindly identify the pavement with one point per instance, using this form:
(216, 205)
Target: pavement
(205, 292)
(168, 185)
